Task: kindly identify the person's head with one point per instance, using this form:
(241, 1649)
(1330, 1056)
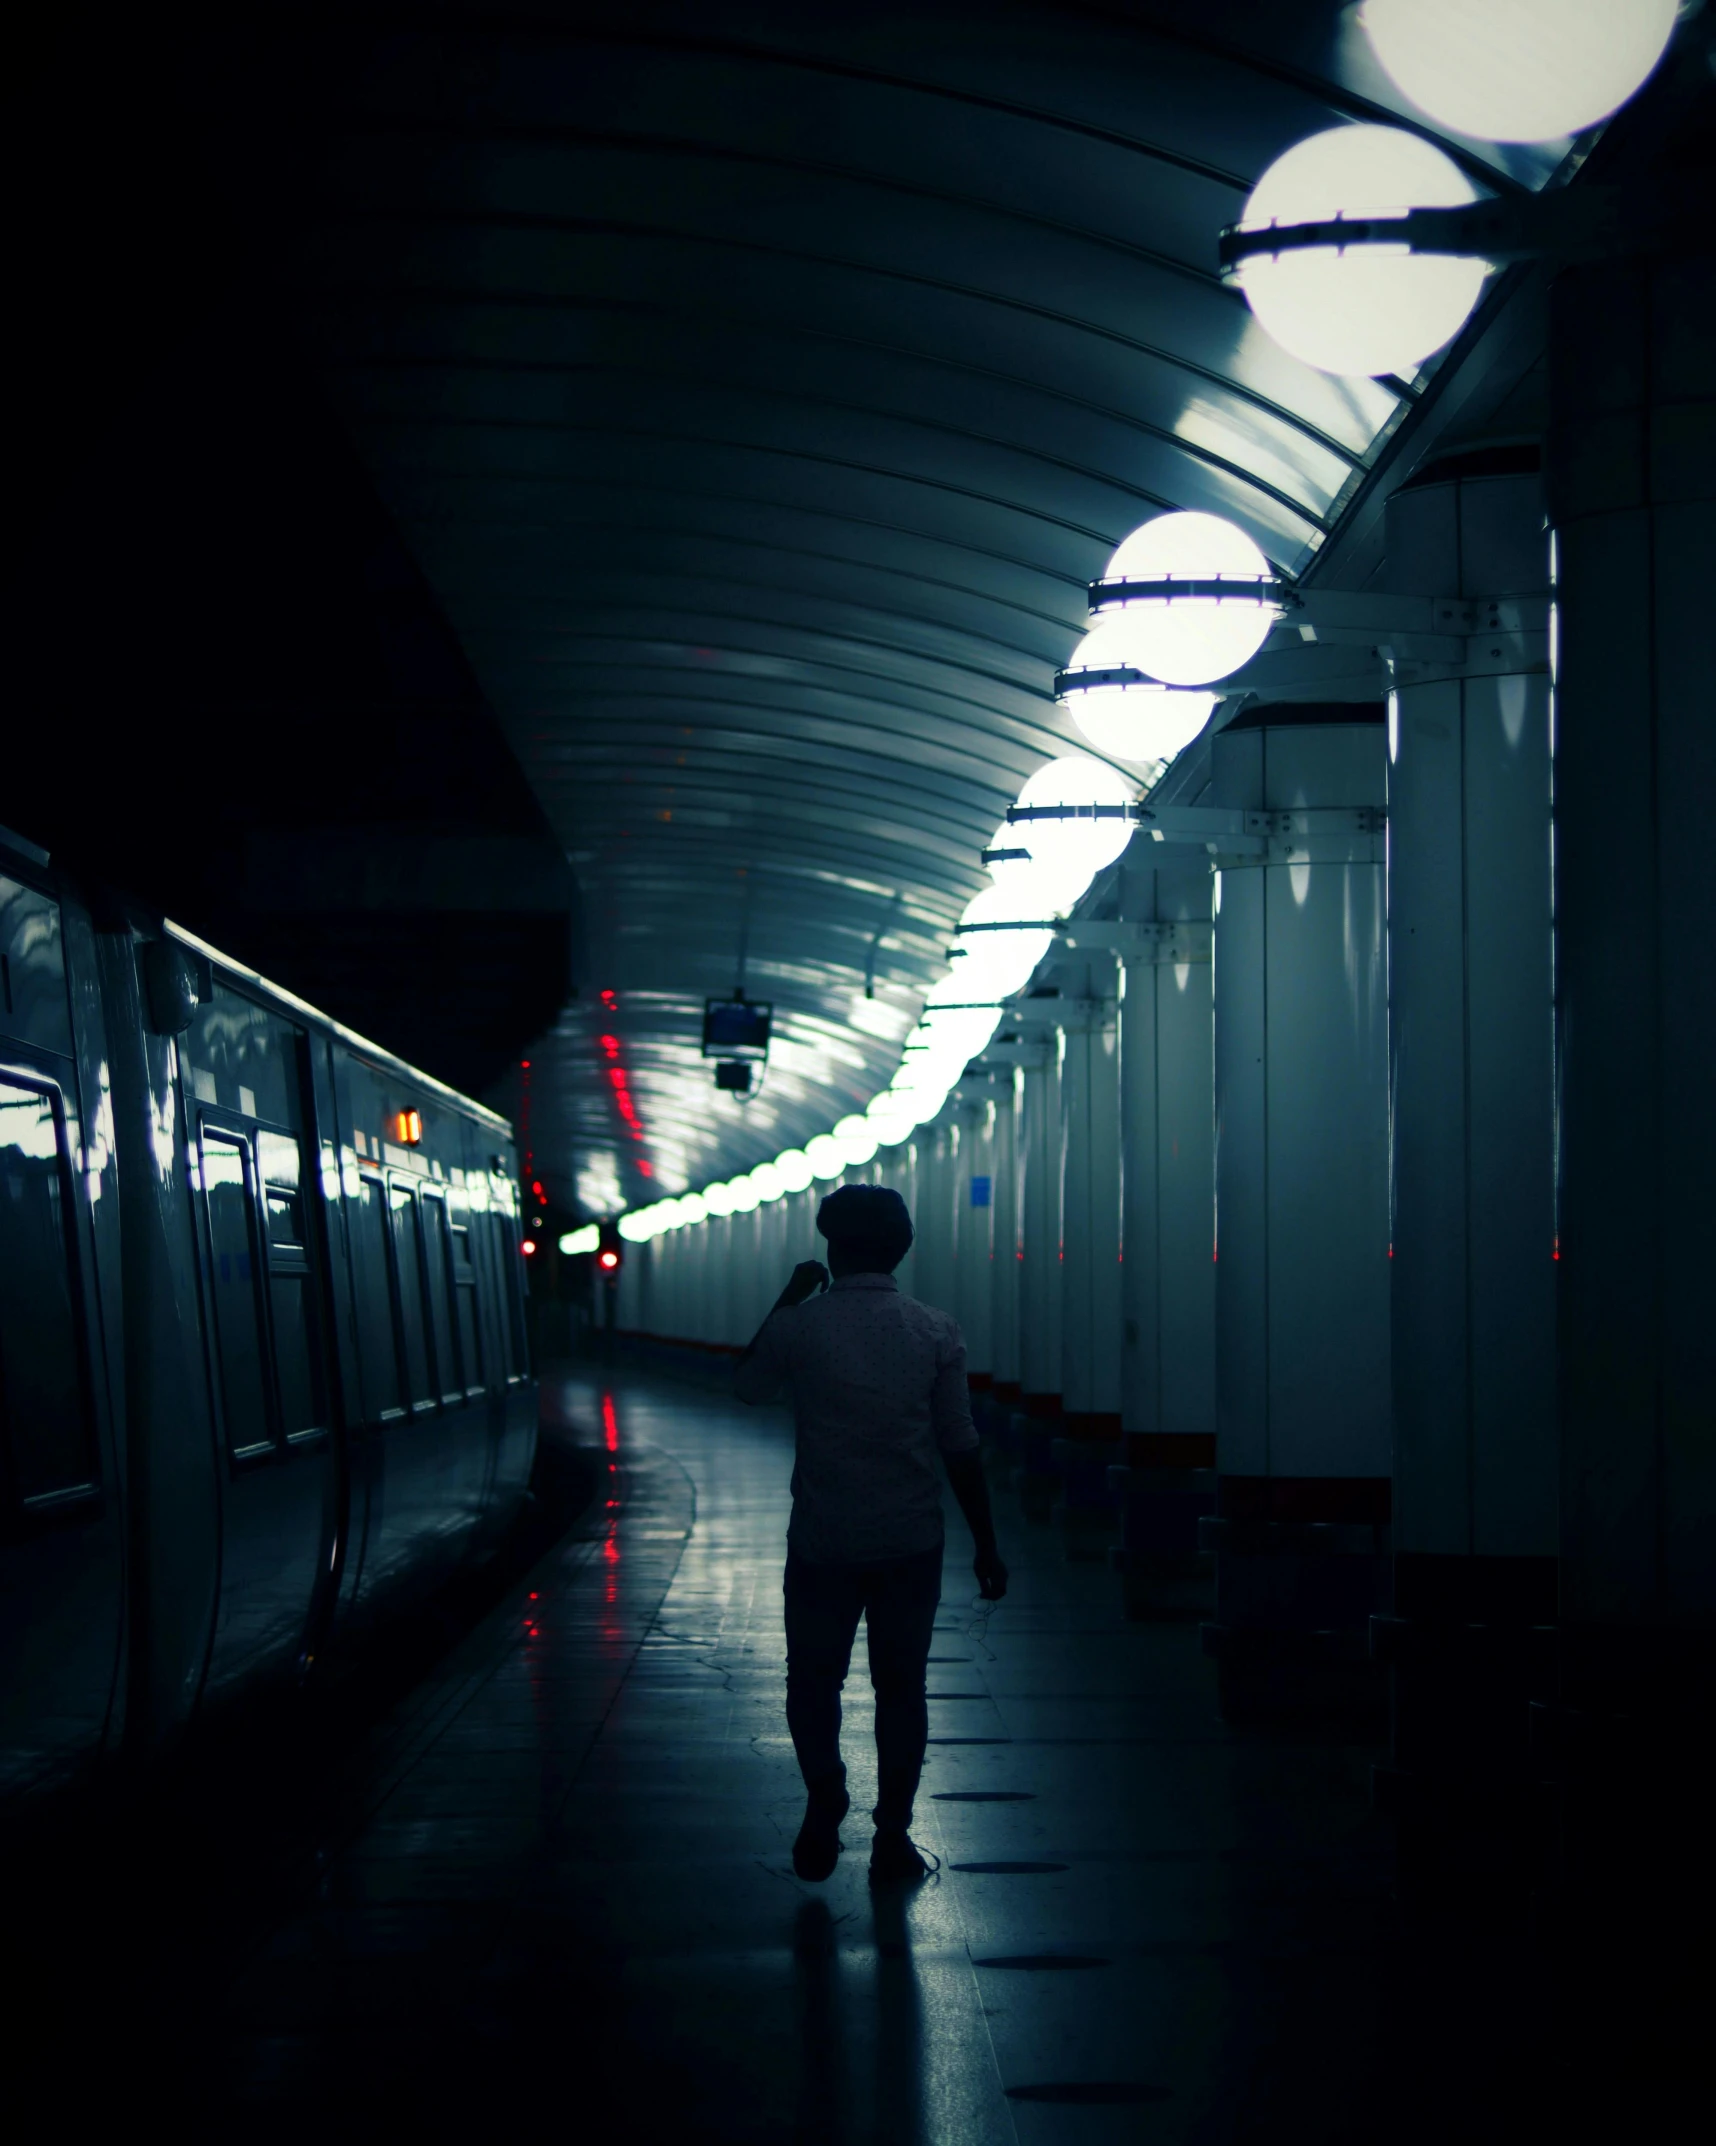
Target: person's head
(867, 1227)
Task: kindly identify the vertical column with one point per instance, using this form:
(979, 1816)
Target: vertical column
(1167, 1103)
(1087, 1512)
(1470, 1046)
(1040, 1235)
(1302, 1289)
(900, 1169)
(1004, 1242)
(935, 1281)
(974, 1202)
(1632, 494)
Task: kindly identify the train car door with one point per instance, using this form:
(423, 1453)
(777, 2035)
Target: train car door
(61, 1556)
(244, 1070)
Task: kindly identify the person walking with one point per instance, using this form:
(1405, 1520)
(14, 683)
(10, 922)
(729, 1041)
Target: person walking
(877, 1383)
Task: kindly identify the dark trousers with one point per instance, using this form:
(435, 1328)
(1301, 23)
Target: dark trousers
(897, 1602)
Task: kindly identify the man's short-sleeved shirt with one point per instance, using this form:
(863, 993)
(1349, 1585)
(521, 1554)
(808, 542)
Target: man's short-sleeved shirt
(877, 1384)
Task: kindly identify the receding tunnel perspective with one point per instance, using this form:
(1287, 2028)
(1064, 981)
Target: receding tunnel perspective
(855, 1043)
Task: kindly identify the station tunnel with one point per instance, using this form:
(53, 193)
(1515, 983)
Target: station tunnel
(626, 620)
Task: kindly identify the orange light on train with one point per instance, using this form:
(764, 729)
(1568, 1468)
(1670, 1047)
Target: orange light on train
(408, 1127)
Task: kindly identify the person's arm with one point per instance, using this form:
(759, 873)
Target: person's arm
(956, 1434)
(971, 1487)
(756, 1376)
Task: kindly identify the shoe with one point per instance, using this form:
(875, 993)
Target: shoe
(817, 1849)
(894, 1861)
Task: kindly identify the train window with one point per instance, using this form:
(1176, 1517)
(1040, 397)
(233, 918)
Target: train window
(297, 1362)
(408, 1252)
(378, 1349)
(465, 1300)
(43, 1411)
(228, 1187)
(438, 1273)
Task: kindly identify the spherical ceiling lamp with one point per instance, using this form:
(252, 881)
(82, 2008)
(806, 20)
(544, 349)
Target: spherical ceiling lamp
(857, 1139)
(794, 1167)
(768, 1181)
(1119, 707)
(1218, 622)
(956, 1034)
(1366, 308)
(667, 1216)
(1073, 850)
(1005, 933)
(718, 1199)
(1518, 70)
(693, 1208)
(824, 1156)
(743, 1194)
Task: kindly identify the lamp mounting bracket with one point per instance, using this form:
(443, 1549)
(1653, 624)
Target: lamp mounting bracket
(1566, 223)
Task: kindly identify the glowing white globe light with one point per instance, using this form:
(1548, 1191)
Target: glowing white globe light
(668, 1216)
(1518, 70)
(635, 1229)
(857, 1140)
(893, 1128)
(1012, 936)
(795, 1169)
(718, 1199)
(1191, 640)
(1120, 710)
(824, 1156)
(768, 1180)
(956, 1036)
(693, 1208)
(743, 1194)
(577, 1241)
(1370, 308)
(1072, 851)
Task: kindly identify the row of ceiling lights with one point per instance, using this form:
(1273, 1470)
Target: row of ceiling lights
(1188, 598)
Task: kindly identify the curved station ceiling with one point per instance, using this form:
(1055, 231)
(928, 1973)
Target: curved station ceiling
(759, 389)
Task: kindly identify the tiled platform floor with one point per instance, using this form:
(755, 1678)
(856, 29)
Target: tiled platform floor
(562, 1897)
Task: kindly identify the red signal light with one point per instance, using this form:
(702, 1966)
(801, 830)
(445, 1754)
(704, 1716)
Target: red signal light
(610, 1259)
(528, 1247)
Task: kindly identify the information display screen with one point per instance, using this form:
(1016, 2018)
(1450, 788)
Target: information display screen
(735, 1028)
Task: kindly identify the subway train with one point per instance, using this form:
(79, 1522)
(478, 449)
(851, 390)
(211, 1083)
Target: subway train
(264, 1373)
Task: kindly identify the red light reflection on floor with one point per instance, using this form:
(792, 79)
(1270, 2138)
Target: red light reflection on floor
(610, 1424)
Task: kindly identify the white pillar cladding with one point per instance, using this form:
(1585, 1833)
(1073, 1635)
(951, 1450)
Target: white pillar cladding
(974, 1193)
(773, 1264)
(1631, 473)
(1090, 1209)
(1167, 1107)
(1470, 1047)
(743, 1278)
(900, 1169)
(1301, 1173)
(1004, 1240)
(720, 1230)
(1301, 1088)
(697, 1278)
(630, 1287)
(935, 1281)
(1040, 1232)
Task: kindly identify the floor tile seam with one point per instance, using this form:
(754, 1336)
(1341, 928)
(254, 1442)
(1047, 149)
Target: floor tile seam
(580, 1757)
(509, 1609)
(563, 1562)
(444, 1713)
(418, 1721)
